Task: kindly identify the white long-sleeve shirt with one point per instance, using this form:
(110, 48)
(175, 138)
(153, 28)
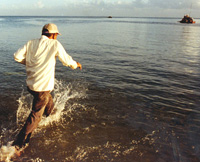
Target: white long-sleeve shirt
(39, 56)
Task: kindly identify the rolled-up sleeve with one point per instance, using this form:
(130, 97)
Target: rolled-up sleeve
(20, 55)
(65, 58)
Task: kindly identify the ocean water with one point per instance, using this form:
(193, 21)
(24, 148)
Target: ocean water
(137, 98)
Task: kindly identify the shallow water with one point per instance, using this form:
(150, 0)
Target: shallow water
(136, 99)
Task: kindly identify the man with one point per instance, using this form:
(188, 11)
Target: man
(39, 56)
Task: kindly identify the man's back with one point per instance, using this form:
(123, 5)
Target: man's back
(39, 55)
(40, 63)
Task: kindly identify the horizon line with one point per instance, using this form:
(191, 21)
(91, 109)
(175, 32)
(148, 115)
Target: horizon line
(103, 16)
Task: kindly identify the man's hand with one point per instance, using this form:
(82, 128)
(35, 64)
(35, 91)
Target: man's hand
(79, 65)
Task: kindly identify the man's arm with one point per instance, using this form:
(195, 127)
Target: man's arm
(20, 55)
(66, 59)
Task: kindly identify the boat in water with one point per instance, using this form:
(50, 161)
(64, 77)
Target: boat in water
(187, 19)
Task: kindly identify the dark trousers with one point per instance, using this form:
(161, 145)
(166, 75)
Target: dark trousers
(42, 105)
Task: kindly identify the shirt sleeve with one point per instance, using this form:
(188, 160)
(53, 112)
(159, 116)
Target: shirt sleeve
(65, 58)
(20, 55)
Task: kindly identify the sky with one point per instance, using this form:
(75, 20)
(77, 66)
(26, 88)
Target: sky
(130, 8)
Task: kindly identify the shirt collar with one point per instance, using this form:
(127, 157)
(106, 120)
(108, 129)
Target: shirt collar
(44, 37)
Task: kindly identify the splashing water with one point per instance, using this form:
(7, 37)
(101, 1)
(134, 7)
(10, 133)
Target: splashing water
(6, 152)
(62, 94)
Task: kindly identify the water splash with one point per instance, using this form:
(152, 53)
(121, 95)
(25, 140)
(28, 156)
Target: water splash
(63, 92)
(24, 108)
(7, 152)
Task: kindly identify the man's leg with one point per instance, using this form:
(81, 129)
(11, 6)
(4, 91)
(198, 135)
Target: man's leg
(40, 101)
(49, 106)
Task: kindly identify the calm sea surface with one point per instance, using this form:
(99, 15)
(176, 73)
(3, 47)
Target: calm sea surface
(137, 98)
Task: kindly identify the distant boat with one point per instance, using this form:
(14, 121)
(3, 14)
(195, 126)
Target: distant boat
(109, 16)
(187, 19)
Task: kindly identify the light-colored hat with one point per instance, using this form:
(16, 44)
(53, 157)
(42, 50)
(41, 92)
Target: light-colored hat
(50, 28)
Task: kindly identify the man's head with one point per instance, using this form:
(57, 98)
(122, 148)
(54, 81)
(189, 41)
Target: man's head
(50, 30)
